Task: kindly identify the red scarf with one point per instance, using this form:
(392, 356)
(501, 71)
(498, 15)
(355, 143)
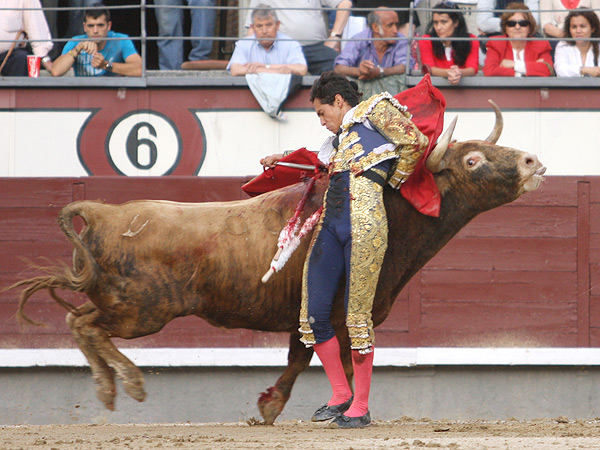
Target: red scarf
(570, 4)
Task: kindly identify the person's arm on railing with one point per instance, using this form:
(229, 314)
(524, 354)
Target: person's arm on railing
(132, 67)
(567, 61)
(368, 70)
(36, 27)
(341, 18)
(453, 74)
(542, 66)
(71, 51)
(243, 69)
(496, 49)
(548, 22)
(486, 21)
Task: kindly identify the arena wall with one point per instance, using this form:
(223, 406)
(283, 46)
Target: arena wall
(503, 322)
(522, 275)
(221, 131)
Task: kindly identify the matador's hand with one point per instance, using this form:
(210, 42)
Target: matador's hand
(270, 161)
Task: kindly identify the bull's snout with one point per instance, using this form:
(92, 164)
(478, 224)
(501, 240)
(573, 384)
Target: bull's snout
(531, 170)
(531, 161)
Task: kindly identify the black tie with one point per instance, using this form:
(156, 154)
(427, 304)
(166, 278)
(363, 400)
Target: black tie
(336, 140)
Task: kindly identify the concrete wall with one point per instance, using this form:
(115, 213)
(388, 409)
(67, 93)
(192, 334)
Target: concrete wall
(67, 395)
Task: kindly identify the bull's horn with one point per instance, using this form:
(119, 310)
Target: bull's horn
(497, 131)
(435, 157)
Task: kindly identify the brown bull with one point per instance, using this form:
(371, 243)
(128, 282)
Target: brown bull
(144, 263)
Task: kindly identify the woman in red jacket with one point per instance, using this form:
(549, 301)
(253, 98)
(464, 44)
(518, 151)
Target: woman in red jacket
(450, 59)
(518, 58)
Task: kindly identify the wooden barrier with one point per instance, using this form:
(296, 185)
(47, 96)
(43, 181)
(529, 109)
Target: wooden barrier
(525, 274)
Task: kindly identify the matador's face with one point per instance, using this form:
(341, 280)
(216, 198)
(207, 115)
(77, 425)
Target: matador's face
(331, 116)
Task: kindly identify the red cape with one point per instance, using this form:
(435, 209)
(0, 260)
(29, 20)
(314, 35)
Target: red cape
(427, 105)
(282, 176)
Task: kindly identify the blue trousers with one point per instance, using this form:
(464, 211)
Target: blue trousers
(330, 258)
(170, 24)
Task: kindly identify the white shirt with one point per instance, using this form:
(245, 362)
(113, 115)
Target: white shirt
(519, 59)
(32, 21)
(567, 60)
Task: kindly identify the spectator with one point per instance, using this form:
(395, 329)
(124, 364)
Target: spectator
(552, 22)
(366, 58)
(577, 57)
(268, 51)
(307, 26)
(520, 57)
(449, 58)
(400, 7)
(488, 22)
(25, 17)
(170, 24)
(94, 55)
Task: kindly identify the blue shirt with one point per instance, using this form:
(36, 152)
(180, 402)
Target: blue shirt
(113, 51)
(249, 50)
(356, 51)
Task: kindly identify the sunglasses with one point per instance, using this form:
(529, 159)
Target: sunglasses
(521, 23)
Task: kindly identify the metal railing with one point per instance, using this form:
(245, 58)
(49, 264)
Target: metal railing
(143, 40)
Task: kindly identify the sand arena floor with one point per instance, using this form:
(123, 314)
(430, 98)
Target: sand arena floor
(406, 434)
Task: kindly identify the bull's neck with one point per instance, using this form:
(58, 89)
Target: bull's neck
(415, 238)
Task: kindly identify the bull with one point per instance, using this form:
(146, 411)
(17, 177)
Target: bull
(145, 263)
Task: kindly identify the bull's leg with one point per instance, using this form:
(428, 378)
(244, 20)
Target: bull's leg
(131, 376)
(272, 402)
(101, 373)
(104, 357)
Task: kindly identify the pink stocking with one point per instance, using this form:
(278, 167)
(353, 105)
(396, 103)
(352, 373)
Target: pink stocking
(363, 369)
(329, 354)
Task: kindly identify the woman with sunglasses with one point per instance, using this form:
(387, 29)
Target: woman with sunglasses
(518, 57)
(577, 57)
(449, 58)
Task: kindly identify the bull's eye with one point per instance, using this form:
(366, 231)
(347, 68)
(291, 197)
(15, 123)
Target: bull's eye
(473, 160)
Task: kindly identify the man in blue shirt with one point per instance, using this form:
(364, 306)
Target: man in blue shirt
(92, 54)
(268, 50)
(366, 57)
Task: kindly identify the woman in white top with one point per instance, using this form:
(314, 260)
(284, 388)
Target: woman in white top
(554, 12)
(577, 57)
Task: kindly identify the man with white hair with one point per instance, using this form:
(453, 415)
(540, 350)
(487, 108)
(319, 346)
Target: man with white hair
(267, 50)
(303, 21)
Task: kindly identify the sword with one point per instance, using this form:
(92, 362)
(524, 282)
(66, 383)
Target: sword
(295, 166)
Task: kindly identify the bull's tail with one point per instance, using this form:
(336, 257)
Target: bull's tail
(81, 278)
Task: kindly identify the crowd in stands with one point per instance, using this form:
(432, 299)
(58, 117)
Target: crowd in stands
(535, 38)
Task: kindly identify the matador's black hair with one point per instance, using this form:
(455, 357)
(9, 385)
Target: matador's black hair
(329, 84)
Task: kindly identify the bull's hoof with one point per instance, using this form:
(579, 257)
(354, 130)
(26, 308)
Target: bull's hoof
(135, 390)
(107, 397)
(270, 404)
(133, 382)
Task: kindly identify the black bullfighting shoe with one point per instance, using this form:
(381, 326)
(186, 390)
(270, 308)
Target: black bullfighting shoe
(343, 421)
(330, 412)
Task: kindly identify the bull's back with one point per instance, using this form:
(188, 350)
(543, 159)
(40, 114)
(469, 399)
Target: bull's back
(207, 258)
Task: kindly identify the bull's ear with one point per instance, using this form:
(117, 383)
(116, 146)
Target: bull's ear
(497, 131)
(434, 162)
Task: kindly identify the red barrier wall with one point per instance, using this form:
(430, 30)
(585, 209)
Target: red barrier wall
(525, 274)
